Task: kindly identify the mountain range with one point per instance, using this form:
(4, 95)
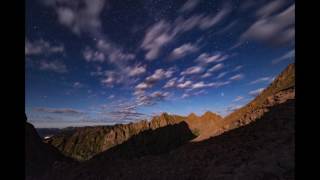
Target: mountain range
(254, 142)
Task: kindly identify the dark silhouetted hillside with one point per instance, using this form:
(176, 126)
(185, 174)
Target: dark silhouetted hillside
(40, 157)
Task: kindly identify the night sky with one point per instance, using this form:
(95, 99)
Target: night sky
(91, 62)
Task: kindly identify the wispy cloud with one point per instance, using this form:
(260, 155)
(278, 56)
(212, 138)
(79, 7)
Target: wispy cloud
(59, 110)
(163, 32)
(111, 96)
(274, 29)
(237, 77)
(222, 74)
(216, 68)
(149, 99)
(192, 70)
(286, 56)
(189, 5)
(270, 8)
(206, 58)
(77, 85)
(54, 66)
(185, 84)
(136, 70)
(256, 92)
(262, 79)
(158, 75)
(233, 107)
(183, 51)
(42, 47)
(93, 55)
(80, 16)
(191, 94)
(171, 83)
(238, 98)
(237, 68)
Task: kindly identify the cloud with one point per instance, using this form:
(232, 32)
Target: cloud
(286, 56)
(189, 5)
(77, 85)
(238, 98)
(90, 55)
(111, 96)
(262, 79)
(159, 74)
(136, 70)
(80, 16)
(114, 54)
(237, 77)
(171, 83)
(222, 74)
(125, 115)
(192, 70)
(144, 86)
(216, 67)
(40, 47)
(59, 111)
(185, 84)
(185, 95)
(197, 93)
(156, 37)
(117, 77)
(270, 8)
(183, 51)
(83, 16)
(205, 58)
(207, 74)
(237, 68)
(200, 84)
(54, 66)
(163, 32)
(256, 92)
(152, 98)
(276, 29)
(233, 107)
(210, 21)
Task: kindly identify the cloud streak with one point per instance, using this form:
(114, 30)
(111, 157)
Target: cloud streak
(59, 111)
(256, 92)
(42, 47)
(275, 29)
(163, 32)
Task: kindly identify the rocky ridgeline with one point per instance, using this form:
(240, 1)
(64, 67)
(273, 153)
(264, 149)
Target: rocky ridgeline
(84, 142)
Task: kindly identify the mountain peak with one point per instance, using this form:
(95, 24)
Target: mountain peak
(211, 115)
(192, 116)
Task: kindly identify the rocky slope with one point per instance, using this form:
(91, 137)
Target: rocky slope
(39, 157)
(280, 90)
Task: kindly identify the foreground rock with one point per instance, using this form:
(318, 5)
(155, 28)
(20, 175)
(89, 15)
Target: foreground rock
(40, 157)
